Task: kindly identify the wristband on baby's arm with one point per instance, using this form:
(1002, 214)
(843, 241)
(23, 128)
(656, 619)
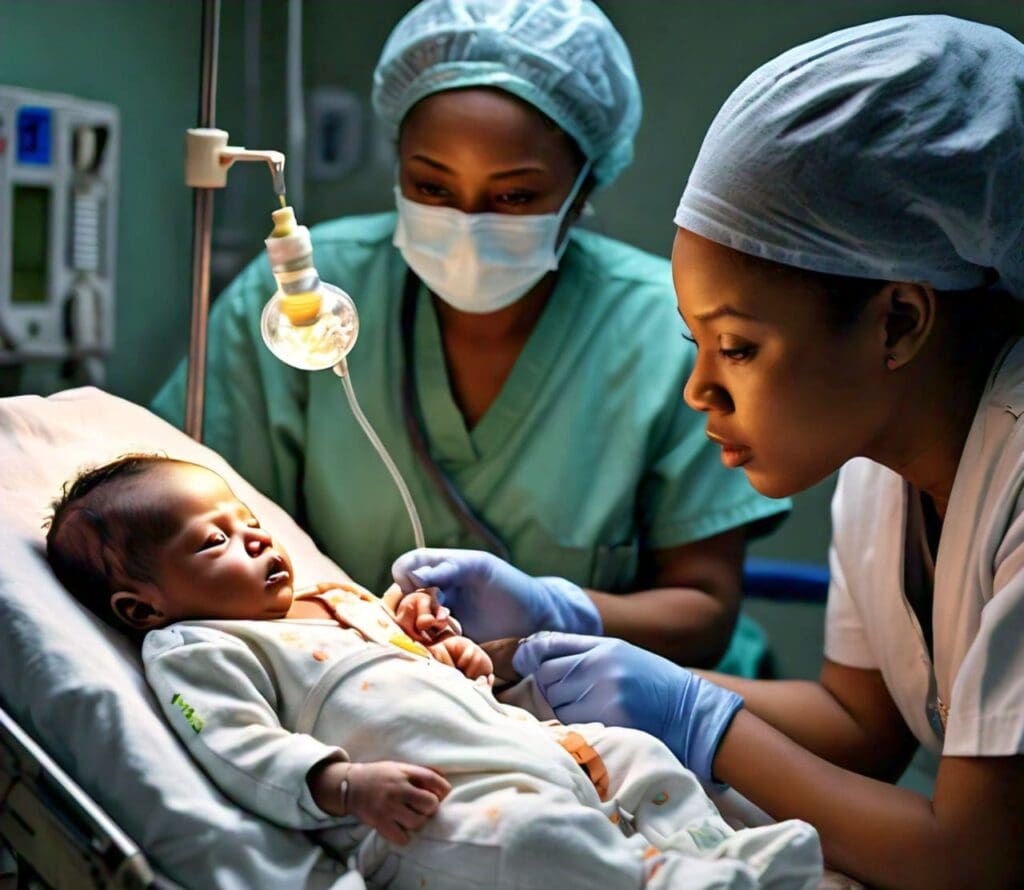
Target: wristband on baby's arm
(343, 791)
(343, 788)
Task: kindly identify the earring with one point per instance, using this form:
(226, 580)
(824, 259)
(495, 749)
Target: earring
(890, 362)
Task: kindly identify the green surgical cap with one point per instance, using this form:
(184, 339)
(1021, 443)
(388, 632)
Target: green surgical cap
(562, 56)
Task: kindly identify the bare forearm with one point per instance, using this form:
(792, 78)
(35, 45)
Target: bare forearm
(683, 624)
(808, 712)
(870, 830)
(805, 712)
(688, 611)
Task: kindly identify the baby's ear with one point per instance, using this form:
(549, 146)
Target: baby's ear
(135, 610)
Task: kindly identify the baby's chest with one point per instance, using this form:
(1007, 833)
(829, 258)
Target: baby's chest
(361, 612)
(303, 648)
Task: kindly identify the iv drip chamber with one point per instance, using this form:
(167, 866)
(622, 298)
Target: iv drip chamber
(307, 323)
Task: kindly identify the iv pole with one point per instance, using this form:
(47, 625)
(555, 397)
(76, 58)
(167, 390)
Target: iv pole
(207, 159)
(202, 222)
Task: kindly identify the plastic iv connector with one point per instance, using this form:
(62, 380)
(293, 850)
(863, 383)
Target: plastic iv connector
(312, 326)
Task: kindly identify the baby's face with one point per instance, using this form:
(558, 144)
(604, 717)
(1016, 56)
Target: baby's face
(219, 563)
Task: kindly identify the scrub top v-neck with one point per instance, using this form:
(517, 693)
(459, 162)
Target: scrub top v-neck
(452, 442)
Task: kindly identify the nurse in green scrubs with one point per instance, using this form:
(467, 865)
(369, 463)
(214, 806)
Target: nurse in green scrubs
(546, 363)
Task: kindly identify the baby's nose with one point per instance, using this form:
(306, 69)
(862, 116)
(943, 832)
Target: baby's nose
(257, 540)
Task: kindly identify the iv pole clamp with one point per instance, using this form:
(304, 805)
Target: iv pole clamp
(208, 158)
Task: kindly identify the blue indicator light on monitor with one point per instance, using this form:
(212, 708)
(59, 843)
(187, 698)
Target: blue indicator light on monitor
(33, 135)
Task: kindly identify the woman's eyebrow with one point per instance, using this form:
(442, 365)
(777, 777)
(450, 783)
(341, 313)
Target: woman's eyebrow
(724, 310)
(533, 167)
(518, 171)
(430, 162)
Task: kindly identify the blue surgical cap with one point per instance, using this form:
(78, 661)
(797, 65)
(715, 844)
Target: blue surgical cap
(892, 150)
(562, 56)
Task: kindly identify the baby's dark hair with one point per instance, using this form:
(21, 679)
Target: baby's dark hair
(104, 534)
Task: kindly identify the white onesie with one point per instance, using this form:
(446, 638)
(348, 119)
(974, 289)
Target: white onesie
(259, 703)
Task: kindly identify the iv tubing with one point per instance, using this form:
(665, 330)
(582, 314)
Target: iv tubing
(341, 369)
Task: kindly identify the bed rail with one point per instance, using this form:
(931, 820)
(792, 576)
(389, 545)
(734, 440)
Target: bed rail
(58, 833)
(785, 581)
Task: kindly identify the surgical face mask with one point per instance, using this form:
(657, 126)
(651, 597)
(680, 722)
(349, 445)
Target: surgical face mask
(480, 262)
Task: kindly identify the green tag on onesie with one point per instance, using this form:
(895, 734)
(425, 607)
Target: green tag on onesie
(194, 720)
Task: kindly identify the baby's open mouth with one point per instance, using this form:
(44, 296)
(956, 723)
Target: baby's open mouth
(277, 571)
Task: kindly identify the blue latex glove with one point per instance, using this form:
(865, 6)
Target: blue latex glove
(492, 599)
(610, 681)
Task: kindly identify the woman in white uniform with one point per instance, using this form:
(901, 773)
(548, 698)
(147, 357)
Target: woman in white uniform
(850, 244)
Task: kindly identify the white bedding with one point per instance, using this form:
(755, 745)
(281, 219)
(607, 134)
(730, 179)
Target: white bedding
(77, 687)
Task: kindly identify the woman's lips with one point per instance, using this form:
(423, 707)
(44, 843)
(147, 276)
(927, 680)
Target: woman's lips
(733, 454)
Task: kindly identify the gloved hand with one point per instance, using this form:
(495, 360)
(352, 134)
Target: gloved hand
(492, 599)
(610, 681)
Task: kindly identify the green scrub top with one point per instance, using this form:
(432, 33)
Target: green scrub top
(587, 456)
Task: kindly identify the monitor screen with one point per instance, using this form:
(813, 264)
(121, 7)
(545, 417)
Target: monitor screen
(31, 234)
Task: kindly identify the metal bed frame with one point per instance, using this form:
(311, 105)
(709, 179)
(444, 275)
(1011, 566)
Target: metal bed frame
(59, 836)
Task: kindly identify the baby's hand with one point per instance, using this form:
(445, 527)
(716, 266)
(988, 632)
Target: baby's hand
(394, 798)
(464, 654)
(422, 617)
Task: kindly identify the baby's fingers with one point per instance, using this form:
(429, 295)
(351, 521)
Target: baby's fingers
(429, 780)
(412, 812)
(407, 611)
(392, 831)
(473, 662)
(428, 621)
(440, 652)
(421, 802)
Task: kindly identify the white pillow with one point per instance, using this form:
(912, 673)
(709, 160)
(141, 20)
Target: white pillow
(77, 687)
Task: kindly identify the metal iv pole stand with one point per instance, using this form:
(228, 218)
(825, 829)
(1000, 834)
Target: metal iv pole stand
(202, 224)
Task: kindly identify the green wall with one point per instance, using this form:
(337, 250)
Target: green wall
(143, 56)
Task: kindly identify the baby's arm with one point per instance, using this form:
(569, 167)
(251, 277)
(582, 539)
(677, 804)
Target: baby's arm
(220, 699)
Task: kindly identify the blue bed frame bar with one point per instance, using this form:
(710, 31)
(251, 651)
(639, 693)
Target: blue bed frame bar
(785, 581)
